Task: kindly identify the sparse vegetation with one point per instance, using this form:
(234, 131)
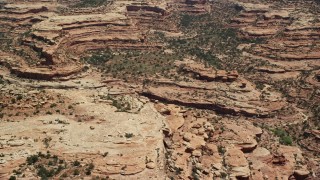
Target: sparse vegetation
(99, 58)
(91, 3)
(211, 39)
(186, 20)
(119, 102)
(48, 166)
(137, 64)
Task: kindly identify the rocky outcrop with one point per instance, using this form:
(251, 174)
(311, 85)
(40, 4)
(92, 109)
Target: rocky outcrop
(290, 33)
(270, 69)
(25, 8)
(241, 136)
(207, 147)
(241, 97)
(238, 164)
(55, 40)
(146, 8)
(201, 72)
(45, 73)
(210, 124)
(17, 66)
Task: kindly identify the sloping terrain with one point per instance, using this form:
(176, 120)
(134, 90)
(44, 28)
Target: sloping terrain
(174, 89)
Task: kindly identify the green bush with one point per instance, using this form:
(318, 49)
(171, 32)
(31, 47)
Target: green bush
(1, 80)
(19, 97)
(76, 172)
(286, 140)
(45, 173)
(280, 132)
(221, 150)
(76, 163)
(91, 166)
(32, 159)
(128, 135)
(284, 137)
(12, 178)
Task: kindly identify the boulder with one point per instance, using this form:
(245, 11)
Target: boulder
(236, 160)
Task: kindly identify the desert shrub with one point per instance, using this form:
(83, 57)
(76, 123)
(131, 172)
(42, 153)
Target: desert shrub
(279, 132)
(91, 166)
(284, 137)
(194, 173)
(76, 163)
(12, 178)
(44, 173)
(221, 150)
(32, 159)
(76, 172)
(260, 85)
(286, 140)
(1, 80)
(128, 135)
(49, 113)
(60, 168)
(46, 142)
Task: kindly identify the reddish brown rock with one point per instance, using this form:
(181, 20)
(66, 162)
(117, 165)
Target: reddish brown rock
(237, 162)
